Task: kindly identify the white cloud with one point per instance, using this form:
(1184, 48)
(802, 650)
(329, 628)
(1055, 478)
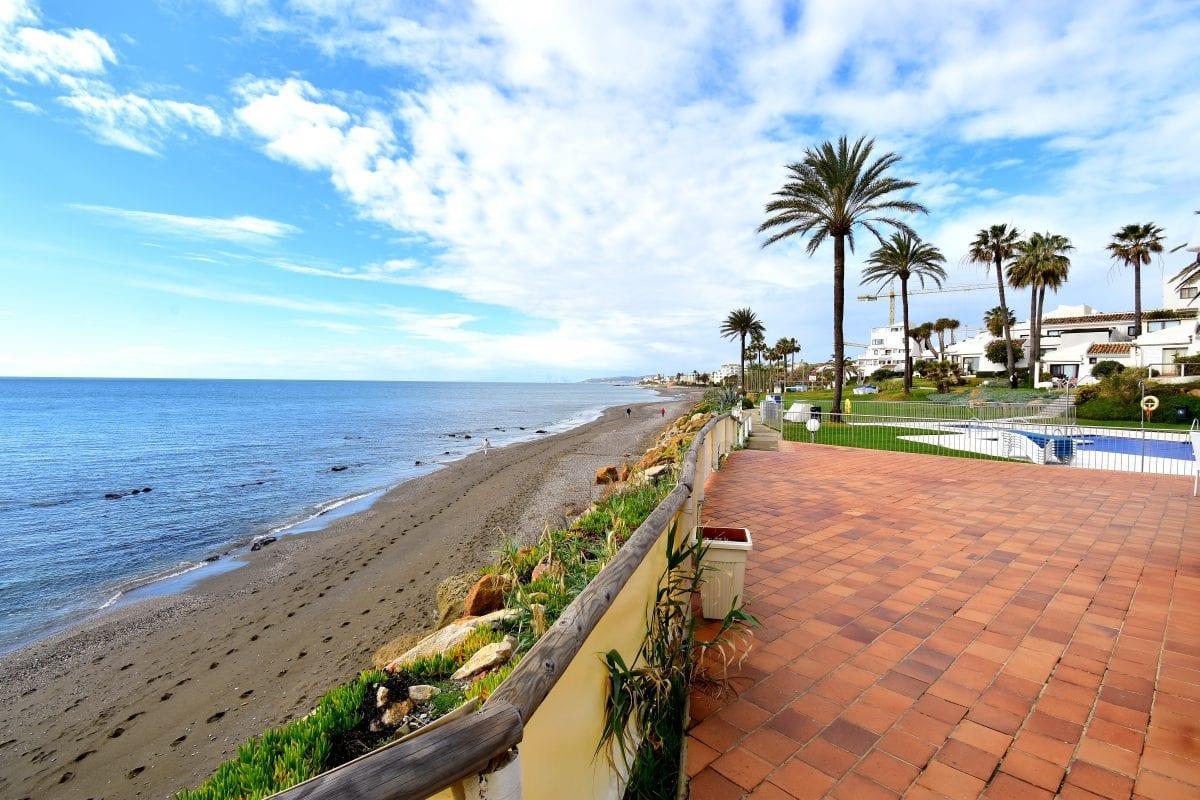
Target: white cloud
(603, 166)
(137, 123)
(77, 60)
(243, 229)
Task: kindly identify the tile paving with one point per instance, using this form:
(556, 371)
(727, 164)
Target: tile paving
(935, 627)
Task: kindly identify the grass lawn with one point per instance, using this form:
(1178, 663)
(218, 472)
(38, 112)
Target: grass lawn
(877, 437)
(1127, 423)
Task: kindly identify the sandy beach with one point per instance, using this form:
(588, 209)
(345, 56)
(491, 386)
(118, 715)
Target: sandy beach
(149, 698)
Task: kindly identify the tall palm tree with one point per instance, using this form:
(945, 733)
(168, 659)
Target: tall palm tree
(1042, 262)
(922, 335)
(901, 258)
(740, 323)
(950, 324)
(1133, 245)
(993, 247)
(996, 319)
(940, 326)
(834, 189)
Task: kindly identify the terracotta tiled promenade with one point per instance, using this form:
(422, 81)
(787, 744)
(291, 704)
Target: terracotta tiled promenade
(942, 627)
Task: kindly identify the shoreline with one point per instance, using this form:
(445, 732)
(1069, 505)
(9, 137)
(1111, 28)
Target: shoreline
(150, 696)
(187, 574)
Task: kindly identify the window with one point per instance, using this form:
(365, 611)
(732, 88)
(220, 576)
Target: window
(1052, 334)
(1092, 360)
(1188, 292)
(877, 341)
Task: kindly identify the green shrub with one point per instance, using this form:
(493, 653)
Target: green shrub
(883, 373)
(997, 351)
(1103, 369)
(1104, 408)
(290, 754)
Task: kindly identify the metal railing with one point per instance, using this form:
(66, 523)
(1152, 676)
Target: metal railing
(1172, 369)
(1021, 439)
(1054, 410)
(552, 704)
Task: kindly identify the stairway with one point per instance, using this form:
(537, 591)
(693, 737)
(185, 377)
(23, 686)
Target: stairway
(762, 437)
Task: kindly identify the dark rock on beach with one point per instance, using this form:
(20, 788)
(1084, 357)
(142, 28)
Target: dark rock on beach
(211, 559)
(261, 543)
(539, 430)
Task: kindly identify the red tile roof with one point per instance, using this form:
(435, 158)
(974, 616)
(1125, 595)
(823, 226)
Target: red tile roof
(1109, 349)
(1121, 316)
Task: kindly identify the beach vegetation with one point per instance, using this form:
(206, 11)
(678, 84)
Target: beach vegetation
(835, 190)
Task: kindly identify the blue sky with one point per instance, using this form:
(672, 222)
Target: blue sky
(511, 190)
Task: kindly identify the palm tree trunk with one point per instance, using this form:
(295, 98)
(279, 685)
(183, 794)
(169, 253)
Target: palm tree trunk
(839, 308)
(907, 357)
(1008, 343)
(941, 345)
(1035, 370)
(1137, 298)
(742, 366)
(1041, 307)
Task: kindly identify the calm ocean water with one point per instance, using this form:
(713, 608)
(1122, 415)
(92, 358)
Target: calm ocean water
(226, 461)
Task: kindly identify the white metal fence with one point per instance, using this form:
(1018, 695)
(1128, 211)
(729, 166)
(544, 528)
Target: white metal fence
(1046, 436)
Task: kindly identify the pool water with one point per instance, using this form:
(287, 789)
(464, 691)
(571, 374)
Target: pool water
(1130, 445)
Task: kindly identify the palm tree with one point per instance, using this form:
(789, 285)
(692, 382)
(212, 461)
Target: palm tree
(1041, 263)
(950, 324)
(833, 190)
(1191, 271)
(1133, 245)
(940, 326)
(740, 323)
(993, 247)
(903, 257)
(996, 319)
(921, 335)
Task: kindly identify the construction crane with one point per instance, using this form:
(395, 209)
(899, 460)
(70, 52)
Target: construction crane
(966, 287)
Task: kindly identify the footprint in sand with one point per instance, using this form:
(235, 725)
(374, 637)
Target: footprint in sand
(214, 665)
(282, 672)
(254, 638)
(327, 640)
(179, 740)
(182, 682)
(302, 654)
(127, 666)
(246, 694)
(231, 651)
(116, 733)
(83, 755)
(133, 773)
(344, 624)
(66, 777)
(215, 717)
(134, 716)
(165, 697)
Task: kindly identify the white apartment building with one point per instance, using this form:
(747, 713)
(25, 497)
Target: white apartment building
(724, 371)
(885, 350)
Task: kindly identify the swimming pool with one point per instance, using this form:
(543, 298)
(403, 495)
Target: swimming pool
(1130, 445)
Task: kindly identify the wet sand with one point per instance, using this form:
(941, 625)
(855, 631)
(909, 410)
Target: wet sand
(150, 698)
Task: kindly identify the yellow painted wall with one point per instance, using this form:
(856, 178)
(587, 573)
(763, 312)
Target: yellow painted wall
(558, 754)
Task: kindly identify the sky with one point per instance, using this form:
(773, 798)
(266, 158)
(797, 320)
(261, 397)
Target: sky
(510, 190)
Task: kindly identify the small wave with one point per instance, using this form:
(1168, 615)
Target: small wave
(320, 511)
(147, 580)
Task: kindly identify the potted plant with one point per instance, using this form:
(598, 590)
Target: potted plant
(723, 566)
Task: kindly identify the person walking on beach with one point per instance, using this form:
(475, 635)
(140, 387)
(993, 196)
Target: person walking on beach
(628, 413)
(664, 413)
(487, 445)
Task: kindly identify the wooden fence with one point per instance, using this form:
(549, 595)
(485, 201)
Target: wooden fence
(536, 737)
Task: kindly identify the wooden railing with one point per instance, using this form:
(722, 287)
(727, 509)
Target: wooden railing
(553, 702)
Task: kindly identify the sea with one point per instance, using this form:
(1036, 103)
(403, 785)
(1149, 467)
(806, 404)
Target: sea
(111, 490)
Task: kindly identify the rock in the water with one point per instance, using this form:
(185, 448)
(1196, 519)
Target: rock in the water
(113, 496)
(450, 596)
(487, 657)
(417, 463)
(261, 543)
(486, 596)
(539, 430)
(382, 697)
(466, 436)
(422, 693)
(339, 468)
(211, 559)
(607, 474)
(393, 715)
(136, 491)
(146, 489)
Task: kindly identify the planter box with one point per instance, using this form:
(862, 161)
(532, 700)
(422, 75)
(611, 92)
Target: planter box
(724, 564)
